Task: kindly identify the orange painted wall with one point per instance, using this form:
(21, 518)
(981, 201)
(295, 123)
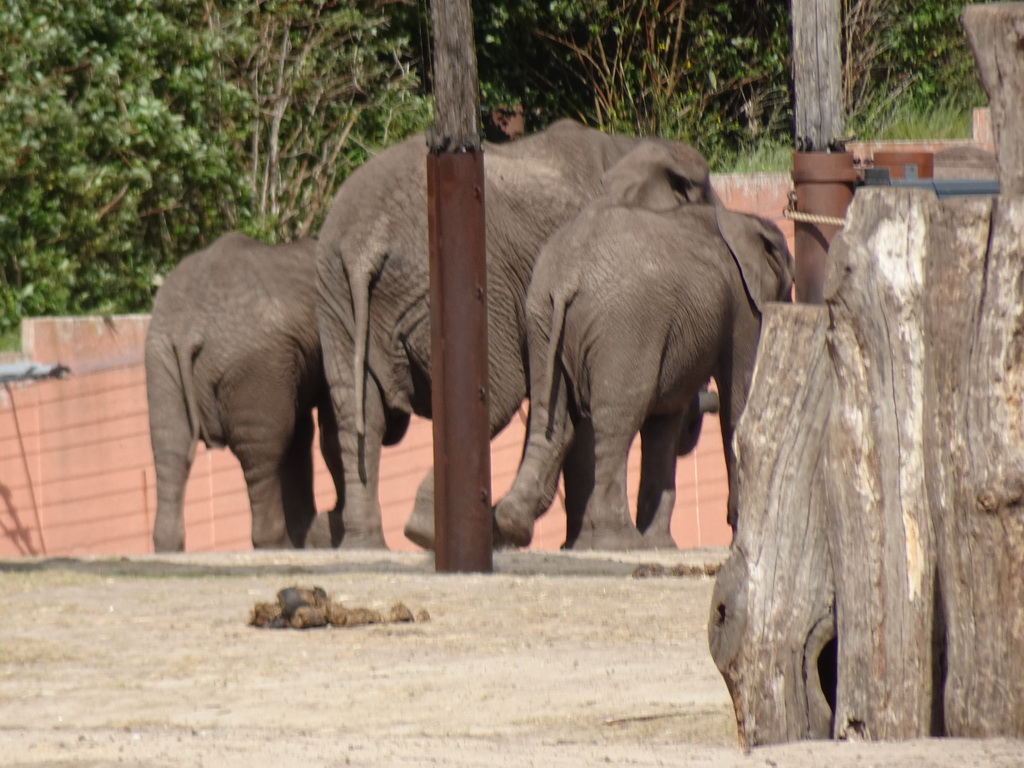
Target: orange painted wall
(76, 468)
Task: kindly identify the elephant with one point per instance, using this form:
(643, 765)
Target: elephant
(233, 359)
(373, 303)
(629, 312)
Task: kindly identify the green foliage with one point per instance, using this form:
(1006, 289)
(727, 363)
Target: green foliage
(908, 120)
(327, 84)
(10, 339)
(135, 131)
(104, 162)
(907, 63)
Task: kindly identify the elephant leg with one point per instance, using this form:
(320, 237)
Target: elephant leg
(607, 523)
(419, 529)
(536, 482)
(297, 497)
(261, 427)
(173, 450)
(578, 474)
(262, 455)
(657, 496)
(733, 380)
(361, 526)
(327, 528)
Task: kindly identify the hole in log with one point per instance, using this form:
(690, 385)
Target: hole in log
(855, 728)
(828, 677)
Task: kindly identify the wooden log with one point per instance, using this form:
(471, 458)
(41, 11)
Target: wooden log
(996, 34)
(457, 120)
(975, 319)
(817, 74)
(880, 531)
(772, 622)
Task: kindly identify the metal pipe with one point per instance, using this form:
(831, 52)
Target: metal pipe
(823, 185)
(463, 529)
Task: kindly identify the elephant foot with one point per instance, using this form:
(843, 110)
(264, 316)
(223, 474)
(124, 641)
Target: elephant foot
(364, 540)
(325, 531)
(420, 528)
(512, 527)
(168, 537)
(618, 540)
(660, 540)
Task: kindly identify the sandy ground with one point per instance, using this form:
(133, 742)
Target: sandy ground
(554, 660)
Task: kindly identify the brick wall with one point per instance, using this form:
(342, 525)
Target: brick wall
(76, 468)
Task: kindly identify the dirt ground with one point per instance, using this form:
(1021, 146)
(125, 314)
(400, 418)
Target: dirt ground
(554, 660)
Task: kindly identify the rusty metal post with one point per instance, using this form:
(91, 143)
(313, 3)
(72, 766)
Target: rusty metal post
(823, 185)
(458, 301)
(458, 315)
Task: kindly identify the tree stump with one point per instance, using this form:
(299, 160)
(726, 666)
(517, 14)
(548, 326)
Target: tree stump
(996, 35)
(880, 531)
(772, 628)
(924, 457)
(975, 457)
(921, 426)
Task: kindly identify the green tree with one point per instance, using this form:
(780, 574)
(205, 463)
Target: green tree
(134, 131)
(105, 162)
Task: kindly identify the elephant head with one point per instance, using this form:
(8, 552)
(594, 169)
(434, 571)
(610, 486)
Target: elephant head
(761, 254)
(659, 175)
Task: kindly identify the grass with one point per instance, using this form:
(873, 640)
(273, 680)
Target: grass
(909, 122)
(769, 156)
(903, 122)
(10, 340)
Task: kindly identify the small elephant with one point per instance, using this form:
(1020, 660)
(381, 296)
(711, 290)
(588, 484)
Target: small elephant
(233, 359)
(373, 301)
(630, 311)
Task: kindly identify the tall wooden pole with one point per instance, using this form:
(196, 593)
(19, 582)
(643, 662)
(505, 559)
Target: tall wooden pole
(822, 176)
(817, 74)
(458, 296)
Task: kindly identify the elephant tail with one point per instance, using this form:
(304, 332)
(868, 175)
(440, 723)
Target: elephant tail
(360, 288)
(559, 303)
(185, 356)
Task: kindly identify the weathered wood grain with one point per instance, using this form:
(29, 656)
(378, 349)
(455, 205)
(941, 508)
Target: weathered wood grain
(772, 608)
(456, 96)
(880, 530)
(975, 457)
(817, 72)
(996, 34)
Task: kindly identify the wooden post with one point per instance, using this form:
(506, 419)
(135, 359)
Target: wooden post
(458, 295)
(880, 530)
(772, 624)
(977, 373)
(822, 180)
(975, 457)
(996, 35)
(817, 74)
(924, 456)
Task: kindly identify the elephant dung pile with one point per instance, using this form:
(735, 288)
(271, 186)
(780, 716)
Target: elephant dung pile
(654, 570)
(306, 607)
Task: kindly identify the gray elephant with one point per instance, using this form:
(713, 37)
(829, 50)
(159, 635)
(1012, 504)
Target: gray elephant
(630, 311)
(373, 293)
(233, 359)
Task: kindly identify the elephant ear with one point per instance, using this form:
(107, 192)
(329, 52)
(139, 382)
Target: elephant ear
(659, 176)
(760, 251)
